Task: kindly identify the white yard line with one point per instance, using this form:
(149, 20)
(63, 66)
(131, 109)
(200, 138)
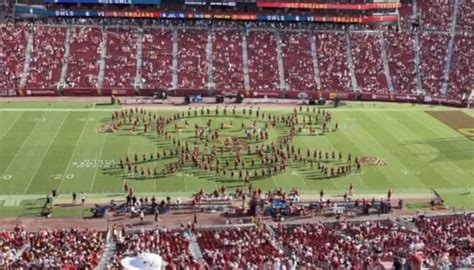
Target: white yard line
(21, 146)
(304, 181)
(10, 127)
(73, 153)
(274, 182)
(45, 154)
(97, 167)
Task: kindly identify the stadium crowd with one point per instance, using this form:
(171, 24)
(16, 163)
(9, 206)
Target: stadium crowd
(157, 55)
(12, 55)
(262, 60)
(192, 58)
(434, 244)
(334, 52)
(429, 242)
(332, 58)
(120, 69)
(52, 249)
(84, 56)
(368, 67)
(46, 57)
(297, 60)
(171, 245)
(401, 60)
(227, 60)
(249, 248)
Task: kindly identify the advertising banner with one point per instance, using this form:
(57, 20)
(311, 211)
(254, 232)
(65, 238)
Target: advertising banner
(189, 92)
(7, 93)
(108, 2)
(80, 92)
(180, 15)
(195, 2)
(39, 92)
(409, 98)
(151, 92)
(367, 6)
(228, 3)
(116, 92)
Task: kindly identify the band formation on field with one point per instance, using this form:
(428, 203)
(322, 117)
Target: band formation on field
(244, 144)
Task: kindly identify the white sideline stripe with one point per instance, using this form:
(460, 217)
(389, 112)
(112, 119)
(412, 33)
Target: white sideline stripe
(181, 108)
(54, 110)
(21, 147)
(45, 154)
(73, 153)
(399, 191)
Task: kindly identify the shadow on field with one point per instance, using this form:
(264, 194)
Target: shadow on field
(449, 149)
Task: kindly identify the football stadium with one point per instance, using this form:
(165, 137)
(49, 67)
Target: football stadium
(237, 134)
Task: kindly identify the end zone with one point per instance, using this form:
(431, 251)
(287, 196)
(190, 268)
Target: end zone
(457, 120)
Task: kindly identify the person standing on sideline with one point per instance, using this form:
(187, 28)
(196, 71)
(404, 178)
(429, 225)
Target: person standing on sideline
(74, 197)
(157, 215)
(142, 215)
(83, 198)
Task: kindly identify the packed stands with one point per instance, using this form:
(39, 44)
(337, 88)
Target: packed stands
(465, 20)
(12, 54)
(228, 249)
(406, 13)
(433, 59)
(298, 61)
(435, 14)
(401, 61)
(461, 65)
(446, 239)
(121, 59)
(227, 62)
(84, 57)
(438, 241)
(192, 58)
(311, 243)
(429, 241)
(46, 57)
(11, 244)
(157, 55)
(368, 66)
(332, 59)
(61, 249)
(262, 60)
(171, 245)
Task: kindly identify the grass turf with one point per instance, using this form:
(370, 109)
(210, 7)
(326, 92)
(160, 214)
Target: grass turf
(47, 146)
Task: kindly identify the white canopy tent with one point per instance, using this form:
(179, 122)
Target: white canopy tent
(144, 261)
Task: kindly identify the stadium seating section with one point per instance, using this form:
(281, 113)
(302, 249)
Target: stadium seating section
(227, 60)
(251, 56)
(440, 240)
(46, 57)
(84, 56)
(157, 55)
(120, 69)
(12, 54)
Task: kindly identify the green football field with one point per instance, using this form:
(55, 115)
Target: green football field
(58, 146)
